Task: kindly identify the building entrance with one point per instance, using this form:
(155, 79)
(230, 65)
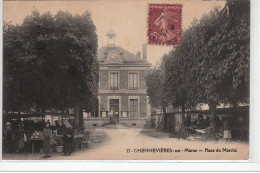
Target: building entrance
(114, 111)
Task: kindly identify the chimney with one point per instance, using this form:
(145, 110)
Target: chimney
(144, 52)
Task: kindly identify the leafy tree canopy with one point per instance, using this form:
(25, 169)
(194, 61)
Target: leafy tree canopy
(212, 63)
(155, 81)
(50, 62)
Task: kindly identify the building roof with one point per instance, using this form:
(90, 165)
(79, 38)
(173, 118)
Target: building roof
(127, 57)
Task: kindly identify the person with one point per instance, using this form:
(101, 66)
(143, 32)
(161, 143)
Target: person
(46, 141)
(48, 122)
(68, 136)
(219, 125)
(195, 122)
(58, 128)
(227, 129)
(20, 138)
(200, 122)
(8, 135)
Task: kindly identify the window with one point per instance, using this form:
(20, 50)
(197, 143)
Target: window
(133, 81)
(124, 114)
(104, 114)
(114, 81)
(90, 115)
(133, 107)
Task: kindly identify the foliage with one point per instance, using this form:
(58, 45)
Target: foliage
(212, 64)
(155, 81)
(178, 83)
(50, 62)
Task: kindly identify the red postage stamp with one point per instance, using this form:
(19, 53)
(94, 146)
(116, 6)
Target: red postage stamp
(164, 24)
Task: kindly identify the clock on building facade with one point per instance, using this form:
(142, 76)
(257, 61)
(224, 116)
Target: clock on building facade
(113, 55)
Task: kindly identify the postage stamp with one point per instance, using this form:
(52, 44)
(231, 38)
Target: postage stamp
(164, 24)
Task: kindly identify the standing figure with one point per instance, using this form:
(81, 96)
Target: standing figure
(68, 136)
(20, 137)
(200, 121)
(7, 138)
(59, 128)
(227, 129)
(46, 141)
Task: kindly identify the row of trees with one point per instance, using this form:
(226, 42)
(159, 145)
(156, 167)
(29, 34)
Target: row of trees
(50, 63)
(211, 65)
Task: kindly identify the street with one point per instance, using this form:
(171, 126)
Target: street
(120, 143)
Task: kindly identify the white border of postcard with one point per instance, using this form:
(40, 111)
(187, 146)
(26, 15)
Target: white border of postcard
(253, 164)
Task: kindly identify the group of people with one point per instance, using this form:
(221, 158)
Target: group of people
(68, 135)
(223, 125)
(16, 135)
(14, 138)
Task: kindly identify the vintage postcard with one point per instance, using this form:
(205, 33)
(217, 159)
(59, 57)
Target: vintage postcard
(126, 80)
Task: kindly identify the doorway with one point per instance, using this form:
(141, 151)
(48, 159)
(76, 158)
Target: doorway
(114, 111)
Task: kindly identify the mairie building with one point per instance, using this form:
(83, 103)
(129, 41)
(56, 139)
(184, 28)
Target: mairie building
(122, 95)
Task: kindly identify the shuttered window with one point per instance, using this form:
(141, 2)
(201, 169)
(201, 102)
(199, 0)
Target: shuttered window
(133, 81)
(114, 81)
(133, 107)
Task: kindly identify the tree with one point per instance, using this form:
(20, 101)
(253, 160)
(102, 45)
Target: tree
(50, 63)
(177, 83)
(221, 57)
(212, 64)
(155, 82)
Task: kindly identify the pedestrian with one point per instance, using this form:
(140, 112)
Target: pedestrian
(200, 122)
(16, 136)
(58, 128)
(7, 138)
(48, 122)
(20, 138)
(68, 136)
(46, 141)
(227, 129)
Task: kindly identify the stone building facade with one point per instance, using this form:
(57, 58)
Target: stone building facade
(122, 89)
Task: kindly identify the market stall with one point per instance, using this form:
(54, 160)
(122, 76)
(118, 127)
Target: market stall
(56, 142)
(31, 125)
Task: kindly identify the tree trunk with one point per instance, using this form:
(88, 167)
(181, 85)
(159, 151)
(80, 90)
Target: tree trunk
(183, 114)
(234, 113)
(165, 119)
(212, 109)
(78, 117)
(81, 120)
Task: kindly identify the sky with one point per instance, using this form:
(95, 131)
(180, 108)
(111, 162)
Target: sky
(128, 18)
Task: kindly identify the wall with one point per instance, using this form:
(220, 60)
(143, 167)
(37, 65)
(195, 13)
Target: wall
(103, 79)
(142, 83)
(144, 119)
(124, 103)
(123, 79)
(95, 122)
(103, 103)
(143, 106)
